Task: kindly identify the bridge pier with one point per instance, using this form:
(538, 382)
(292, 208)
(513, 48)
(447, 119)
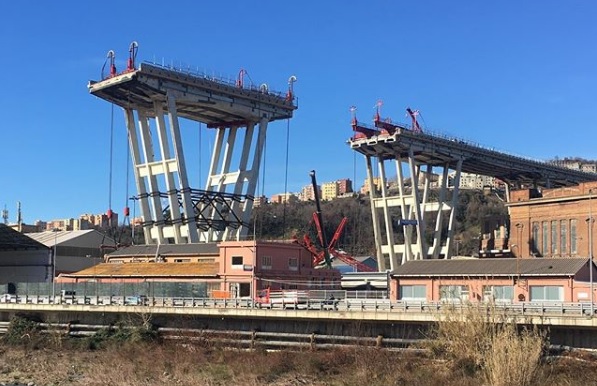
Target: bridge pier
(160, 96)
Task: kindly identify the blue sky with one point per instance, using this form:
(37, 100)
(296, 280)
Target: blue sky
(520, 76)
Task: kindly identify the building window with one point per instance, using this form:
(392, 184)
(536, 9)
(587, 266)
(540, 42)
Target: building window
(244, 290)
(453, 293)
(266, 262)
(554, 238)
(547, 293)
(237, 262)
(293, 264)
(498, 293)
(535, 236)
(182, 260)
(573, 236)
(563, 237)
(413, 292)
(545, 238)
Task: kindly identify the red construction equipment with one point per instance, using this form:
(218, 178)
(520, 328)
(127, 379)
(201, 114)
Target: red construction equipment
(413, 115)
(130, 64)
(328, 251)
(361, 130)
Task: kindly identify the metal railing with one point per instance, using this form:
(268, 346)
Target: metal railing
(337, 304)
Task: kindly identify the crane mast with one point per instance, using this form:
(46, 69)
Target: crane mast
(322, 238)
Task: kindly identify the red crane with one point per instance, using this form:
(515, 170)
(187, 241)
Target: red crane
(327, 251)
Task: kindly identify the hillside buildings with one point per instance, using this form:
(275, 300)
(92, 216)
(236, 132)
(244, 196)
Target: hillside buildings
(589, 166)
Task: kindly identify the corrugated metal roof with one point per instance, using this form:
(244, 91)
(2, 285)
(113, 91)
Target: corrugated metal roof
(490, 267)
(167, 249)
(11, 240)
(49, 238)
(148, 270)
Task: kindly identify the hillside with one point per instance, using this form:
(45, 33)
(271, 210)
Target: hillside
(283, 221)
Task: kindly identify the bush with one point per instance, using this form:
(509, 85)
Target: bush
(479, 339)
(22, 331)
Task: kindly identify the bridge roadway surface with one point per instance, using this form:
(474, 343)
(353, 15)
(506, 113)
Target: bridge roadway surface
(551, 314)
(569, 324)
(439, 150)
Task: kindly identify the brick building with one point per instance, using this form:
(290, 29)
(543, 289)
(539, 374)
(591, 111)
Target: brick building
(344, 186)
(553, 222)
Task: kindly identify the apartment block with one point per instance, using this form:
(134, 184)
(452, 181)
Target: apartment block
(329, 190)
(307, 193)
(283, 197)
(366, 189)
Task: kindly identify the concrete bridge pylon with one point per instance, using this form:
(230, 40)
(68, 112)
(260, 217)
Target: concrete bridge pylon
(154, 99)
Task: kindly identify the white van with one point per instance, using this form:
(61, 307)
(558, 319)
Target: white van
(67, 297)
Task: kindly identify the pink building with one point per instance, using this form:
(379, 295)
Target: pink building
(231, 269)
(506, 280)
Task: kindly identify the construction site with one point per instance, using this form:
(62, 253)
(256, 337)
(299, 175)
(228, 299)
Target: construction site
(202, 234)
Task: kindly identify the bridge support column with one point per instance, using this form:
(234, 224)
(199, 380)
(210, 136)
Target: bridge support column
(410, 210)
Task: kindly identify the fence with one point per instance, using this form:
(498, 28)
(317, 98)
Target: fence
(92, 289)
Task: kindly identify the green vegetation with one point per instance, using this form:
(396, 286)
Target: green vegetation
(283, 221)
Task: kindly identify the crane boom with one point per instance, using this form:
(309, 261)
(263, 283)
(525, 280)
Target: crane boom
(324, 243)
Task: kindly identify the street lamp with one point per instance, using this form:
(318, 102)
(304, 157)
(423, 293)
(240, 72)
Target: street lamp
(54, 254)
(590, 222)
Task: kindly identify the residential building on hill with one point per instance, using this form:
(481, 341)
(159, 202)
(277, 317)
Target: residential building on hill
(283, 197)
(366, 189)
(329, 191)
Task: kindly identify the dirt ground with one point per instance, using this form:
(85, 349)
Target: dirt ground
(159, 364)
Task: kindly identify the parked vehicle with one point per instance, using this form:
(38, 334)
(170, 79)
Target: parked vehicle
(136, 300)
(68, 297)
(282, 298)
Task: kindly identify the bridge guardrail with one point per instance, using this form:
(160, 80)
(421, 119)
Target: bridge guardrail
(344, 305)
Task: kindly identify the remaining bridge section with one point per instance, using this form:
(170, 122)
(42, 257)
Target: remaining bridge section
(200, 98)
(437, 150)
(154, 98)
(415, 154)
